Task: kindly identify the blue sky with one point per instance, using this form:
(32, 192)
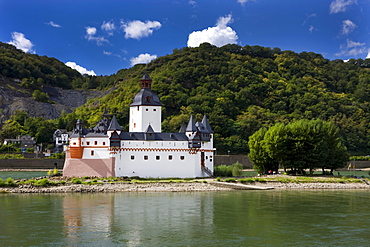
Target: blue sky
(103, 36)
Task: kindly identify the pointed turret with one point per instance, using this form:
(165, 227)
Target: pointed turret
(114, 124)
(183, 128)
(206, 124)
(191, 125)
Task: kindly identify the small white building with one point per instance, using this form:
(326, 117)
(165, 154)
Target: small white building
(144, 151)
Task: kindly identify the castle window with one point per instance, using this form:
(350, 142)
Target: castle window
(74, 143)
(87, 143)
(92, 152)
(170, 157)
(182, 157)
(146, 109)
(157, 157)
(95, 143)
(145, 157)
(147, 99)
(132, 157)
(103, 143)
(138, 108)
(154, 109)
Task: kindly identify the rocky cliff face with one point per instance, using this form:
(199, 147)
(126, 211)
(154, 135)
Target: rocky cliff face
(13, 97)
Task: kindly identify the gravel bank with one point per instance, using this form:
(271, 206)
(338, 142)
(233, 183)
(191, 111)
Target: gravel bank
(118, 187)
(175, 187)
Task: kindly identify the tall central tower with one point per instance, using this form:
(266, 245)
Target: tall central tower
(146, 108)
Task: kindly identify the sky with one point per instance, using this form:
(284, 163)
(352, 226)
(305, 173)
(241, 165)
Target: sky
(100, 37)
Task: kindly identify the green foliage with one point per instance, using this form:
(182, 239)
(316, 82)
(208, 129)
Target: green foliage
(359, 158)
(11, 156)
(241, 89)
(57, 156)
(237, 169)
(9, 182)
(76, 181)
(40, 96)
(222, 171)
(230, 180)
(304, 144)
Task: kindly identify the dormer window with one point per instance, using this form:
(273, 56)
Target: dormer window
(147, 99)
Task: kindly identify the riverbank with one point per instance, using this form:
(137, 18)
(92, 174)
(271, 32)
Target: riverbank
(194, 186)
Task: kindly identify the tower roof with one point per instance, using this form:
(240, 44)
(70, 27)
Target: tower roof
(146, 97)
(191, 125)
(114, 124)
(206, 124)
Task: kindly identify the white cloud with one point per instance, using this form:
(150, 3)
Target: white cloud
(348, 27)
(20, 41)
(312, 28)
(90, 31)
(138, 29)
(80, 69)
(368, 54)
(191, 2)
(340, 5)
(108, 27)
(219, 35)
(53, 24)
(108, 53)
(242, 2)
(90, 35)
(352, 49)
(142, 58)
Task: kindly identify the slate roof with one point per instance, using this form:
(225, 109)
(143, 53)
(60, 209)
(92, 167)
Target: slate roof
(140, 136)
(146, 97)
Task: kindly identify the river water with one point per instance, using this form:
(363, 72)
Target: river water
(236, 218)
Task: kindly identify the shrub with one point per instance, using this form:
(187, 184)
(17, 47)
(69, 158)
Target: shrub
(246, 180)
(218, 179)
(42, 182)
(1, 182)
(10, 182)
(76, 181)
(237, 169)
(223, 171)
(230, 180)
(57, 156)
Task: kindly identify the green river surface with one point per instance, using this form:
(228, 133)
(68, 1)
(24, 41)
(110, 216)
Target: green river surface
(232, 218)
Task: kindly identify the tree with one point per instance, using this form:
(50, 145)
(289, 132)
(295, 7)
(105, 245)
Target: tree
(300, 145)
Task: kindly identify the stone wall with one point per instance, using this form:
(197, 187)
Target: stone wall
(31, 163)
(231, 159)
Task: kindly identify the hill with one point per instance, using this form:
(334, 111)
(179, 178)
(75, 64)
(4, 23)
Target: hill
(242, 89)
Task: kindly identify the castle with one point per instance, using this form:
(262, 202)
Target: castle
(106, 151)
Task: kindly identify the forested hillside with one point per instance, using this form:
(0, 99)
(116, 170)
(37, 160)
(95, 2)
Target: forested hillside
(242, 89)
(33, 71)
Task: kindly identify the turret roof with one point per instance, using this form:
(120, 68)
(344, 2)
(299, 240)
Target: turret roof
(114, 124)
(191, 125)
(146, 97)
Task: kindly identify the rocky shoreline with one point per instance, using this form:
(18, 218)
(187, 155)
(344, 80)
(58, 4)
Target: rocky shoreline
(204, 186)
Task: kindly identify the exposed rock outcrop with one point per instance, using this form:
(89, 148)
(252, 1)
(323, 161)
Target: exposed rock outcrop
(13, 97)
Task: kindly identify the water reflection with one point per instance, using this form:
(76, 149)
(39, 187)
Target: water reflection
(137, 219)
(87, 214)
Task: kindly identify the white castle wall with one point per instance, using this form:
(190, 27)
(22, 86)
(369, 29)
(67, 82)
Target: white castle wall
(142, 116)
